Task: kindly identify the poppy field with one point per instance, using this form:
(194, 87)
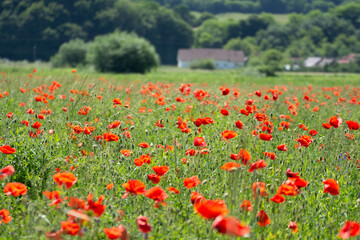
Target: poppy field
(178, 156)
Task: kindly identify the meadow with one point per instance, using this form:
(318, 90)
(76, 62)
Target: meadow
(178, 155)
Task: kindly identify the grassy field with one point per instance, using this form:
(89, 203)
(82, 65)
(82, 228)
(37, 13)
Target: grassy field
(280, 18)
(77, 139)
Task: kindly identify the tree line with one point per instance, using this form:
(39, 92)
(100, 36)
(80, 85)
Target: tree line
(256, 6)
(36, 29)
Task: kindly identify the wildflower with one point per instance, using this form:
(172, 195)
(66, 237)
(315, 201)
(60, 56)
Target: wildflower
(66, 178)
(350, 229)
(143, 225)
(331, 186)
(210, 209)
(191, 182)
(160, 170)
(154, 178)
(230, 226)
(7, 171)
(257, 165)
(15, 189)
(135, 187)
(6, 149)
(174, 190)
(118, 232)
(263, 219)
(293, 226)
(5, 216)
(230, 166)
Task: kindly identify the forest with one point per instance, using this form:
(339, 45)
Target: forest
(34, 30)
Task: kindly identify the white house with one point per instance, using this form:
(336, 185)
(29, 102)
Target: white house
(223, 59)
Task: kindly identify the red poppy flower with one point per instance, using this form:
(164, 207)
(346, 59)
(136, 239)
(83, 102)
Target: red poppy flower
(287, 190)
(160, 170)
(199, 142)
(331, 186)
(282, 147)
(114, 124)
(259, 187)
(36, 125)
(335, 122)
(96, 207)
(174, 190)
(244, 156)
(231, 226)
(350, 229)
(156, 193)
(227, 134)
(305, 141)
(246, 205)
(195, 197)
(270, 155)
(144, 145)
(190, 152)
(6, 149)
(117, 101)
(126, 152)
(5, 216)
(263, 219)
(353, 125)
(70, 228)
(118, 232)
(245, 112)
(109, 186)
(66, 178)
(143, 225)
(239, 124)
(293, 226)
(110, 137)
(257, 165)
(297, 181)
(191, 182)
(313, 132)
(265, 137)
(258, 93)
(225, 91)
(210, 209)
(224, 112)
(15, 189)
(7, 171)
(135, 187)
(326, 125)
(154, 178)
(289, 173)
(278, 198)
(230, 166)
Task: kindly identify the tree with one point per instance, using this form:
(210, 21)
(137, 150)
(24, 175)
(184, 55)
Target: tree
(271, 62)
(351, 12)
(239, 44)
(211, 34)
(122, 52)
(70, 54)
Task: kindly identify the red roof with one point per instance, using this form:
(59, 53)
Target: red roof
(211, 53)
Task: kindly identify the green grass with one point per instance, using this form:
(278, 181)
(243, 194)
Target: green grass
(319, 215)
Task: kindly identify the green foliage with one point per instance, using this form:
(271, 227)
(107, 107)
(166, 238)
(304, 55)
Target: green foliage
(70, 54)
(207, 64)
(271, 62)
(239, 44)
(122, 52)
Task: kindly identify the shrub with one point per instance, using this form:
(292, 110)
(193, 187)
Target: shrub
(207, 64)
(122, 52)
(70, 54)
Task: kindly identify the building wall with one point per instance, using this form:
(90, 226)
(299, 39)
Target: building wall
(218, 64)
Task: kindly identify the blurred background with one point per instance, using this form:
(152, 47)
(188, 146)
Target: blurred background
(136, 35)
